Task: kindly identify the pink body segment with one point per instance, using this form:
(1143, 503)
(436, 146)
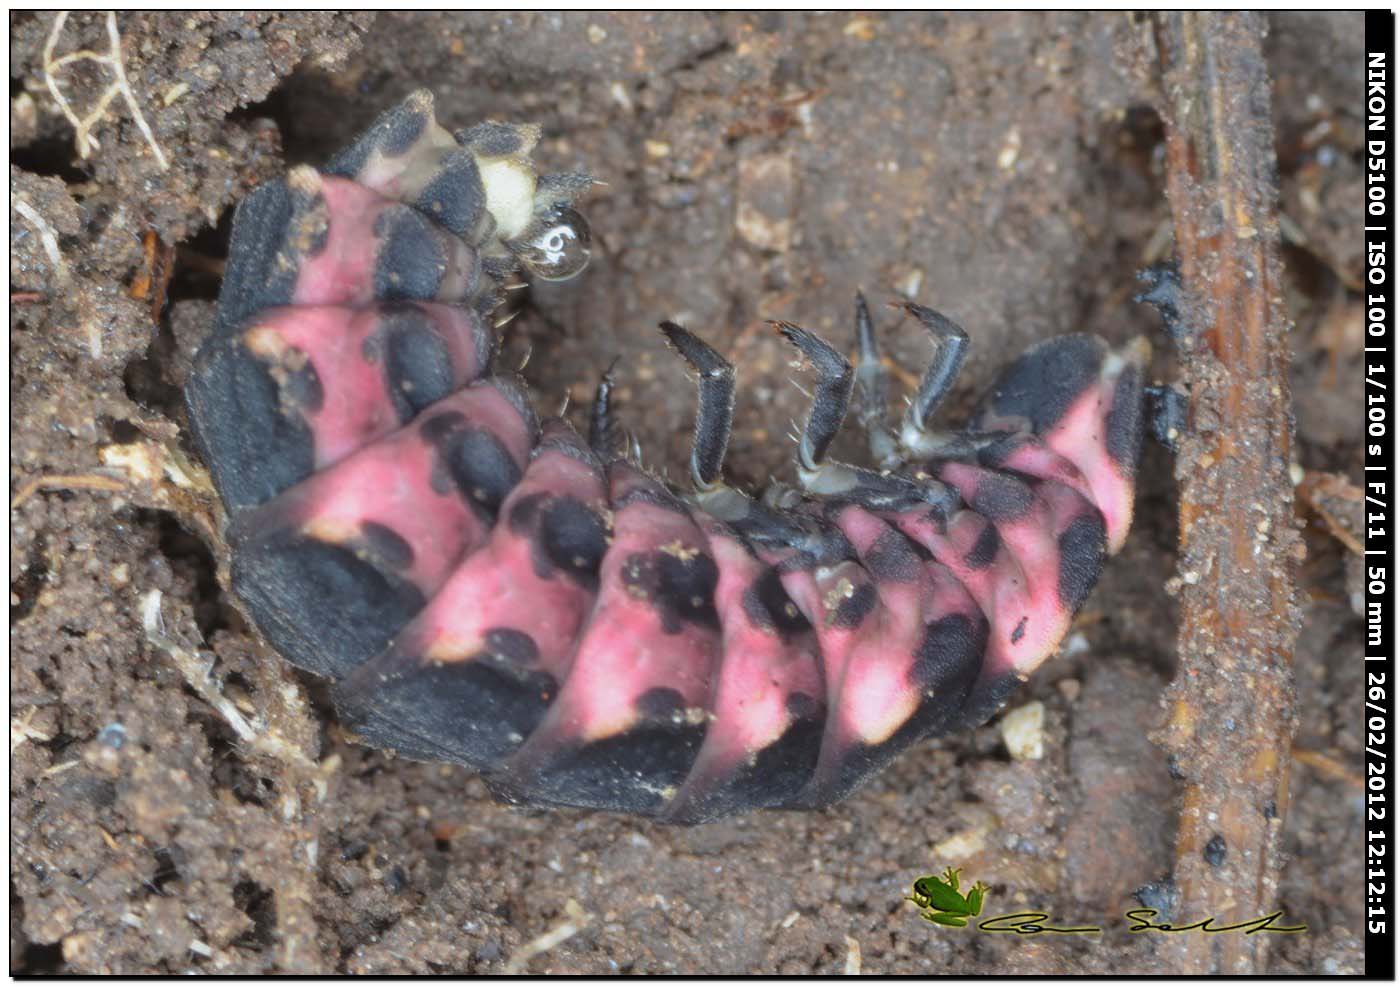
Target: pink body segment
(873, 689)
(343, 347)
(770, 674)
(641, 636)
(345, 245)
(507, 584)
(399, 485)
(645, 664)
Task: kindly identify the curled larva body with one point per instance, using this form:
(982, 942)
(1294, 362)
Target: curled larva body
(494, 590)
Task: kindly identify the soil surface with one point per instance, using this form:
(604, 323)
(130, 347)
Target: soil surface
(181, 801)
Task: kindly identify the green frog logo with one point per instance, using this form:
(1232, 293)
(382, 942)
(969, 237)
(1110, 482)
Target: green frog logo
(939, 899)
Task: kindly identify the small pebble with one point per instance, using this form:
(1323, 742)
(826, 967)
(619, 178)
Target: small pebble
(1023, 732)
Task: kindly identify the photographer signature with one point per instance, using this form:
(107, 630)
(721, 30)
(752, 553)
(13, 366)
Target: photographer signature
(1140, 919)
(941, 900)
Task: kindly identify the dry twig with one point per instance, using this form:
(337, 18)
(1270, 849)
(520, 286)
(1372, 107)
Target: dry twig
(90, 481)
(1232, 703)
(1329, 767)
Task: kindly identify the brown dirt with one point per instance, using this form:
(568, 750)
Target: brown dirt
(1004, 168)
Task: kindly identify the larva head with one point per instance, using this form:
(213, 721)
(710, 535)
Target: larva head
(533, 214)
(557, 245)
(479, 183)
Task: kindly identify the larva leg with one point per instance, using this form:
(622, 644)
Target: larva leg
(872, 397)
(835, 380)
(1167, 406)
(605, 435)
(716, 410)
(763, 522)
(823, 477)
(949, 352)
(1166, 414)
(1164, 294)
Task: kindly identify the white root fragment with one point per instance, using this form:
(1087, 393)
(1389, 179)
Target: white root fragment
(21, 731)
(198, 673)
(578, 918)
(47, 238)
(852, 957)
(82, 127)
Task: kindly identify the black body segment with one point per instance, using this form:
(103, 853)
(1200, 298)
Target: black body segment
(255, 449)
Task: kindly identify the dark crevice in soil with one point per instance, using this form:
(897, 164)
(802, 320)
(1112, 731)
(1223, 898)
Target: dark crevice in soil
(59, 742)
(189, 555)
(1143, 129)
(1308, 272)
(275, 107)
(256, 901)
(198, 262)
(717, 50)
(41, 959)
(146, 380)
(25, 589)
(354, 850)
(307, 137)
(51, 157)
(229, 770)
(122, 431)
(166, 871)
